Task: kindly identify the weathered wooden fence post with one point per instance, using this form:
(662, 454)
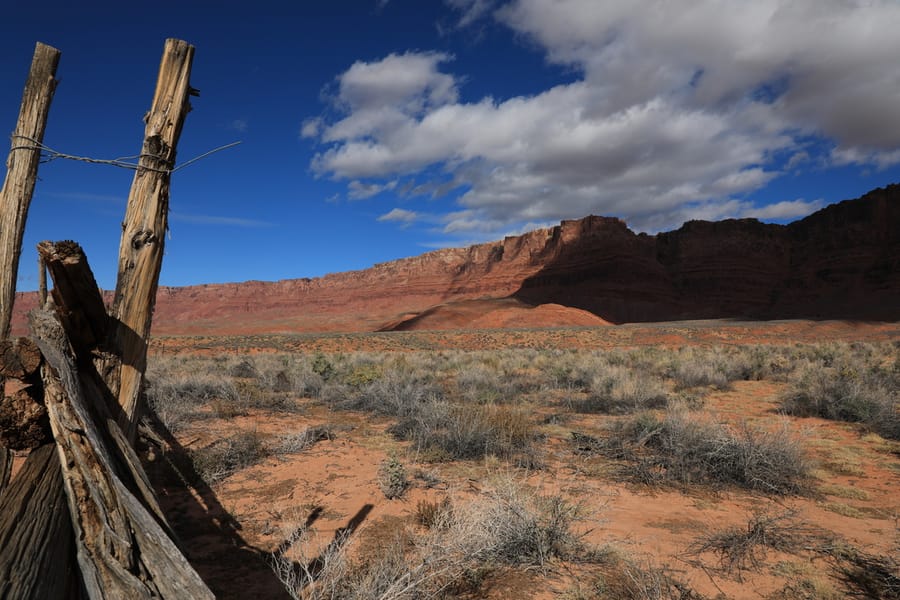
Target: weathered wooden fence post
(21, 172)
(81, 518)
(18, 187)
(144, 232)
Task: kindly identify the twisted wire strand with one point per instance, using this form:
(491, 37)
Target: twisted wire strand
(124, 162)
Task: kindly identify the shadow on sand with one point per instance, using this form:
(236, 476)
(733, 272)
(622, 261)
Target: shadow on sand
(209, 535)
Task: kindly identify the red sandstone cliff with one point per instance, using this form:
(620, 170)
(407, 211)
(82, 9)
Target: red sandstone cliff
(841, 262)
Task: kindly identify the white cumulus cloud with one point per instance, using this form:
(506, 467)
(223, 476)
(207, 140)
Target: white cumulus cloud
(678, 110)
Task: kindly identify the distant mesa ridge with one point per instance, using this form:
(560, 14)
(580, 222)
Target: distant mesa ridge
(842, 262)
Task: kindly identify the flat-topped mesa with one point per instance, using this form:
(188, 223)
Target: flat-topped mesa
(840, 262)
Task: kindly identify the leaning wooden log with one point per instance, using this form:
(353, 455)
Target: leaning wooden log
(36, 541)
(122, 551)
(21, 172)
(75, 294)
(79, 306)
(144, 230)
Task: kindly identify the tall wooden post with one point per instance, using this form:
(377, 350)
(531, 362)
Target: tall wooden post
(18, 187)
(21, 172)
(144, 230)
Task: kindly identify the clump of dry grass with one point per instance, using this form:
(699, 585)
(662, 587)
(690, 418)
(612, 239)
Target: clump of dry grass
(445, 430)
(625, 577)
(621, 390)
(685, 448)
(741, 549)
(866, 575)
(225, 457)
(510, 526)
(847, 386)
(292, 443)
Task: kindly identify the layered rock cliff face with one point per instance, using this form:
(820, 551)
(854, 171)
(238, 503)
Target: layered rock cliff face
(841, 262)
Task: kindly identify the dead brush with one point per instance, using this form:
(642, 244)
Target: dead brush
(743, 549)
(293, 443)
(682, 448)
(225, 457)
(865, 575)
(626, 578)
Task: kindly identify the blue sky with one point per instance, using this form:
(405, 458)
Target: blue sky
(377, 129)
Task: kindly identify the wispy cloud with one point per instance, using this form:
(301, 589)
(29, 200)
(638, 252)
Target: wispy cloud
(400, 215)
(358, 190)
(239, 125)
(217, 220)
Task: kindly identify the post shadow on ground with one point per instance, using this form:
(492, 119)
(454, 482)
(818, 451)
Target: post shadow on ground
(310, 572)
(209, 535)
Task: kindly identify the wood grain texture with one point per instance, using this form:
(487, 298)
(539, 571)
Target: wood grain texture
(21, 172)
(36, 554)
(6, 463)
(75, 294)
(123, 552)
(144, 230)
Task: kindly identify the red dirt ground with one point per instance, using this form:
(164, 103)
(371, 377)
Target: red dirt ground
(229, 530)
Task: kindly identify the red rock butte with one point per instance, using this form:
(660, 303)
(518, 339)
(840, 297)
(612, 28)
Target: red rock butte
(842, 262)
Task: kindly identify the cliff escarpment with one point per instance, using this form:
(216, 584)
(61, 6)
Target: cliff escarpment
(842, 262)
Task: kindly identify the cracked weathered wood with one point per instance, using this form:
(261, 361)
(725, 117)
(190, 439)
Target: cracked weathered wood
(123, 552)
(36, 555)
(144, 231)
(6, 463)
(21, 172)
(75, 294)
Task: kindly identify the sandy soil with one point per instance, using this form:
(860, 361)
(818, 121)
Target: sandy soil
(230, 530)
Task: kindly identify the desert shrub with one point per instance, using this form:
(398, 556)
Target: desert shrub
(243, 369)
(682, 447)
(434, 514)
(517, 527)
(756, 363)
(866, 575)
(511, 526)
(444, 429)
(625, 578)
(849, 390)
(695, 373)
(176, 398)
(322, 367)
(396, 393)
(620, 390)
(701, 367)
(576, 370)
(741, 549)
(392, 478)
(293, 443)
(225, 457)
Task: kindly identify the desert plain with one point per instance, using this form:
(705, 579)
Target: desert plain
(692, 459)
